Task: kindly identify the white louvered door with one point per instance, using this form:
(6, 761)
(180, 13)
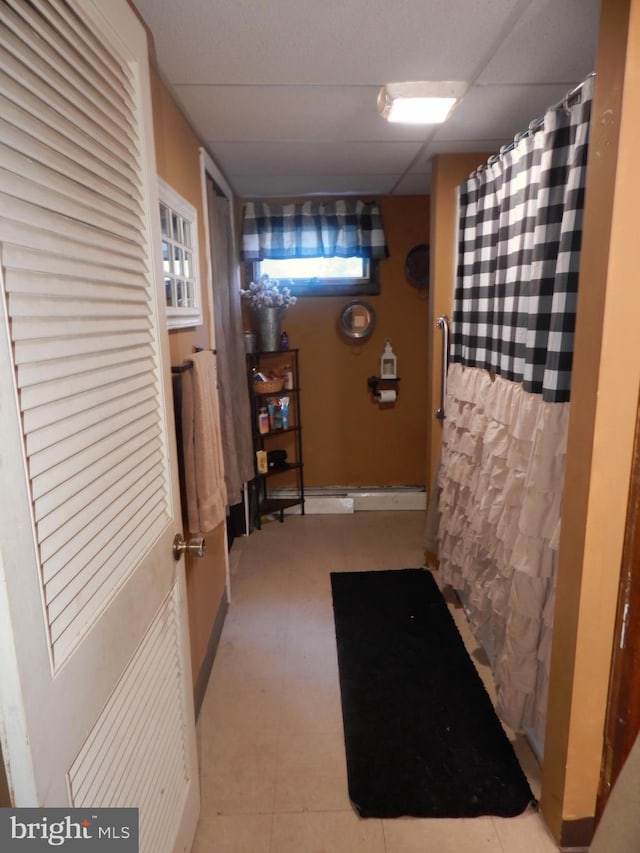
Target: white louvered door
(95, 680)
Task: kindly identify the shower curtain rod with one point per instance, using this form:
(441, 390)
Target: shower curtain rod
(537, 123)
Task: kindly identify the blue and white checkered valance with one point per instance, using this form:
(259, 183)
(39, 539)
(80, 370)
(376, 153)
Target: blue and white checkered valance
(347, 228)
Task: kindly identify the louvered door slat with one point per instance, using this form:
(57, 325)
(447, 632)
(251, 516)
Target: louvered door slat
(64, 19)
(94, 400)
(51, 522)
(60, 153)
(30, 225)
(93, 598)
(42, 103)
(75, 103)
(68, 538)
(66, 448)
(51, 371)
(162, 723)
(60, 59)
(89, 380)
(62, 481)
(35, 306)
(68, 581)
(28, 285)
(66, 197)
(33, 329)
(20, 258)
(100, 762)
(58, 348)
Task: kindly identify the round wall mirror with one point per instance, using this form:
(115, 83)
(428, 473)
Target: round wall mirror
(357, 320)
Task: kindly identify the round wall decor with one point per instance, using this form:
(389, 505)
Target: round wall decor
(417, 266)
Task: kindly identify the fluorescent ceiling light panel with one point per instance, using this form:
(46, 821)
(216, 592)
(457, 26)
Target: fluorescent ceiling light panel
(419, 102)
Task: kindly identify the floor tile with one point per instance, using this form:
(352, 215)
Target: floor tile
(247, 655)
(312, 654)
(463, 835)
(311, 773)
(310, 706)
(529, 826)
(321, 832)
(234, 834)
(238, 773)
(244, 706)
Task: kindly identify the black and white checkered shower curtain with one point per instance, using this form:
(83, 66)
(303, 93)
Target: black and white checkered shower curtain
(501, 470)
(520, 231)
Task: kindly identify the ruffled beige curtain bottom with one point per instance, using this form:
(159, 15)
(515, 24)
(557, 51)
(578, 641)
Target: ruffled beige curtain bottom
(500, 484)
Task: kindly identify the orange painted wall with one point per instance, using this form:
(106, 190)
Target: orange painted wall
(177, 156)
(601, 431)
(449, 170)
(348, 439)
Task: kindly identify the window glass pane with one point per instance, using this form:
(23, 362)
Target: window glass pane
(314, 268)
(187, 264)
(177, 261)
(168, 291)
(188, 294)
(164, 221)
(176, 227)
(186, 237)
(166, 257)
(181, 294)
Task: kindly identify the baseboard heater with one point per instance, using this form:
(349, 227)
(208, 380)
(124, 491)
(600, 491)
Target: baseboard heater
(343, 501)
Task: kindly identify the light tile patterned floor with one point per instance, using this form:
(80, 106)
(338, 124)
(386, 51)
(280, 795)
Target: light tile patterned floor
(273, 773)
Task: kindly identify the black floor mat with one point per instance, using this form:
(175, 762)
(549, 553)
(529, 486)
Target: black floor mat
(422, 738)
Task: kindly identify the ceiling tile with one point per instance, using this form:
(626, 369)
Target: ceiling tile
(552, 43)
(313, 158)
(292, 186)
(340, 113)
(499, 111)
(414, 184)
(363, 41)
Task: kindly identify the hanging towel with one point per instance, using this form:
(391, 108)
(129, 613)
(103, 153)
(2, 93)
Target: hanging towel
(203, 466)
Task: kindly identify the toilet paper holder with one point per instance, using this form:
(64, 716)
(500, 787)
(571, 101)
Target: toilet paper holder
(378, 384)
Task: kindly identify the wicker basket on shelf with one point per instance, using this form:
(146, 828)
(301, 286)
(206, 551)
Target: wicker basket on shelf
(269, 386)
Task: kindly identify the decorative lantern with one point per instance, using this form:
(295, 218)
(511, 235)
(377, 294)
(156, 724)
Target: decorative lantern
(388, 363)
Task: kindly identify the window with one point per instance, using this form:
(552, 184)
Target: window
(178, 222)
(321, 248)
(321, 276)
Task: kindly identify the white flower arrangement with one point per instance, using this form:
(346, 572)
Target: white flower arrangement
(267, 293)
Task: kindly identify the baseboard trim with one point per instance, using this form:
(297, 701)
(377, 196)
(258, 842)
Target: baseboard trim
(576, 835)
(200, 687)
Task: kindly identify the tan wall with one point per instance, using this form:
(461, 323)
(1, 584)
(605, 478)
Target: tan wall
(448, 172)
(603, 411)
(348, 439)
(177, 155)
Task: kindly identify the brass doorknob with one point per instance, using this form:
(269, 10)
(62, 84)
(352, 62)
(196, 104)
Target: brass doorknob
(196, 546)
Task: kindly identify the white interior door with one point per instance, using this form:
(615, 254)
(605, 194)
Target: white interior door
(95, 681)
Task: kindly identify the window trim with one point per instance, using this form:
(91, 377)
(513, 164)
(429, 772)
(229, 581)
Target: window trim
(366, 286)
(179, 317)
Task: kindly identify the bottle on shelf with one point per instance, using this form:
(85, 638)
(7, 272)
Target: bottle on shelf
(263, 421)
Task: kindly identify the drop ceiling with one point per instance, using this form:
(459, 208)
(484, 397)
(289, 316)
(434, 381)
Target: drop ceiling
(282, 93)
